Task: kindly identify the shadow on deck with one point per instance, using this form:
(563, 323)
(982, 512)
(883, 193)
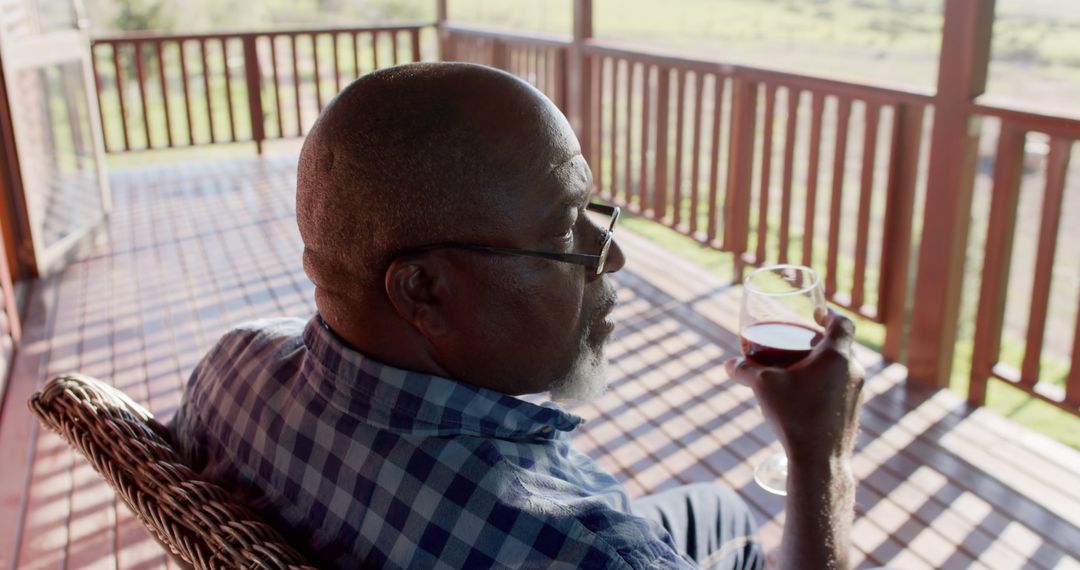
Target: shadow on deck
(194, 249)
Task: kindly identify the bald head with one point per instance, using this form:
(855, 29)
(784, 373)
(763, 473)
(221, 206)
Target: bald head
(413, 155)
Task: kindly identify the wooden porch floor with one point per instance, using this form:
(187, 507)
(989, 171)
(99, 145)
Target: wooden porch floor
(196, 248)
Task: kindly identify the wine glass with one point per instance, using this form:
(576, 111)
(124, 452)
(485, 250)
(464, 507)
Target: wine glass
(783, 307)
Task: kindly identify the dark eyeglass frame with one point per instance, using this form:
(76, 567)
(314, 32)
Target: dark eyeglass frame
(588, 260)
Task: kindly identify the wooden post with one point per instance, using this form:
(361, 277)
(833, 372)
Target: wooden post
(441, 16)
(579, 75)
(253, 78)
(965, 54)
(899, 214)
(14, 215)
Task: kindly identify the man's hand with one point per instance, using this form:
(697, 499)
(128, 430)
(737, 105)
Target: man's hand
(813, 407)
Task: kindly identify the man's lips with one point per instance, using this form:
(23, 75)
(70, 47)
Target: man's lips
(603, 323)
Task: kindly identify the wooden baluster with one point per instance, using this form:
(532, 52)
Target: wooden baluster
(140, 74)
(817, 108)
(525, 62)
(559, 86)
(643, 201)
(375, 51)
(253, 84)
(531, 72)
(695, 163)
(315, 71)
(277, 85)
(1001, 229)
(337, 63)
(714, 169)
(663, 109)
(596, 98)
(766, 174)
(790, 136)
(206, 85)
(843, 115)
(414, 41)
(628, 181)
(120, 93)
(613, 134)
(228, 88)
(544, 54)
(296, 84)
(680, 104)
(356, 54)
(187, 94)
(1057, 167)
(394, 47)
(871, 111)
(159, 48)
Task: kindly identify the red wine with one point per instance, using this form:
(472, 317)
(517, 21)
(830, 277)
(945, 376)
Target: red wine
(778, 344)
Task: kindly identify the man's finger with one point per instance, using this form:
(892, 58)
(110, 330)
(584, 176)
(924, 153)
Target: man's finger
(743, 370)
(730, 365)
(839, 331)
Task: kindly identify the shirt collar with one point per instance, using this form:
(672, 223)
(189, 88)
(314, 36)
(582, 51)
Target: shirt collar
(421, 404)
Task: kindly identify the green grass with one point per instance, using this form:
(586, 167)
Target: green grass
(720, 263)
(894, 42)
(150, 115)
(1001, 397)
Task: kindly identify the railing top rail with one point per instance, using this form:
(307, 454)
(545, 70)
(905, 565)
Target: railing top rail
(881, 94)
(157, 36)
(518, 36)
(833, 86)
(1056, 125)
(658, 57)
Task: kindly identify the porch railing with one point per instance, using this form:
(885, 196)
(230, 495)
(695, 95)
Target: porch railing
(538, 59)
(714, 151)
(998, 275)
(770, 166)
(168, 91)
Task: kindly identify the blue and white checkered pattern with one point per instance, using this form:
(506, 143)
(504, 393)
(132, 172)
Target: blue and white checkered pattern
(369, 465)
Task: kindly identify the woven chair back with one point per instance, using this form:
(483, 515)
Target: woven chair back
(197, 520)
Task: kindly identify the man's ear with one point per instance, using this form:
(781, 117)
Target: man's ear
(418, 290)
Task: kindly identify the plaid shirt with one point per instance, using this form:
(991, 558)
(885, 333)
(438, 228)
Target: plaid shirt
(364, 464)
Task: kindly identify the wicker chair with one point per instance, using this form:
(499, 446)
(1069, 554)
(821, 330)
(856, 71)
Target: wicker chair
(194, 518)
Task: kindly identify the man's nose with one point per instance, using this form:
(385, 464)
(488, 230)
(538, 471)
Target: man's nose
(615, 258)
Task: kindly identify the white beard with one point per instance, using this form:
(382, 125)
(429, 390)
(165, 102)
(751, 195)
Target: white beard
(586, 380)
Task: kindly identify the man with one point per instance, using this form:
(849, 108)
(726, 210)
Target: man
(443, 213)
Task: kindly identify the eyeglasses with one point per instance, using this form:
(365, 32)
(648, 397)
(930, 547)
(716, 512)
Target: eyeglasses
(594, 262)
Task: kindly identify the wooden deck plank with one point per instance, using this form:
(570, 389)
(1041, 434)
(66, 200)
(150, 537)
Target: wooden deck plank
(44, 537)
(197, 249)
(18, 431)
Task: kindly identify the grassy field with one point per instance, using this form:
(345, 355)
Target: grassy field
(1001, 398)
(1036, 46)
